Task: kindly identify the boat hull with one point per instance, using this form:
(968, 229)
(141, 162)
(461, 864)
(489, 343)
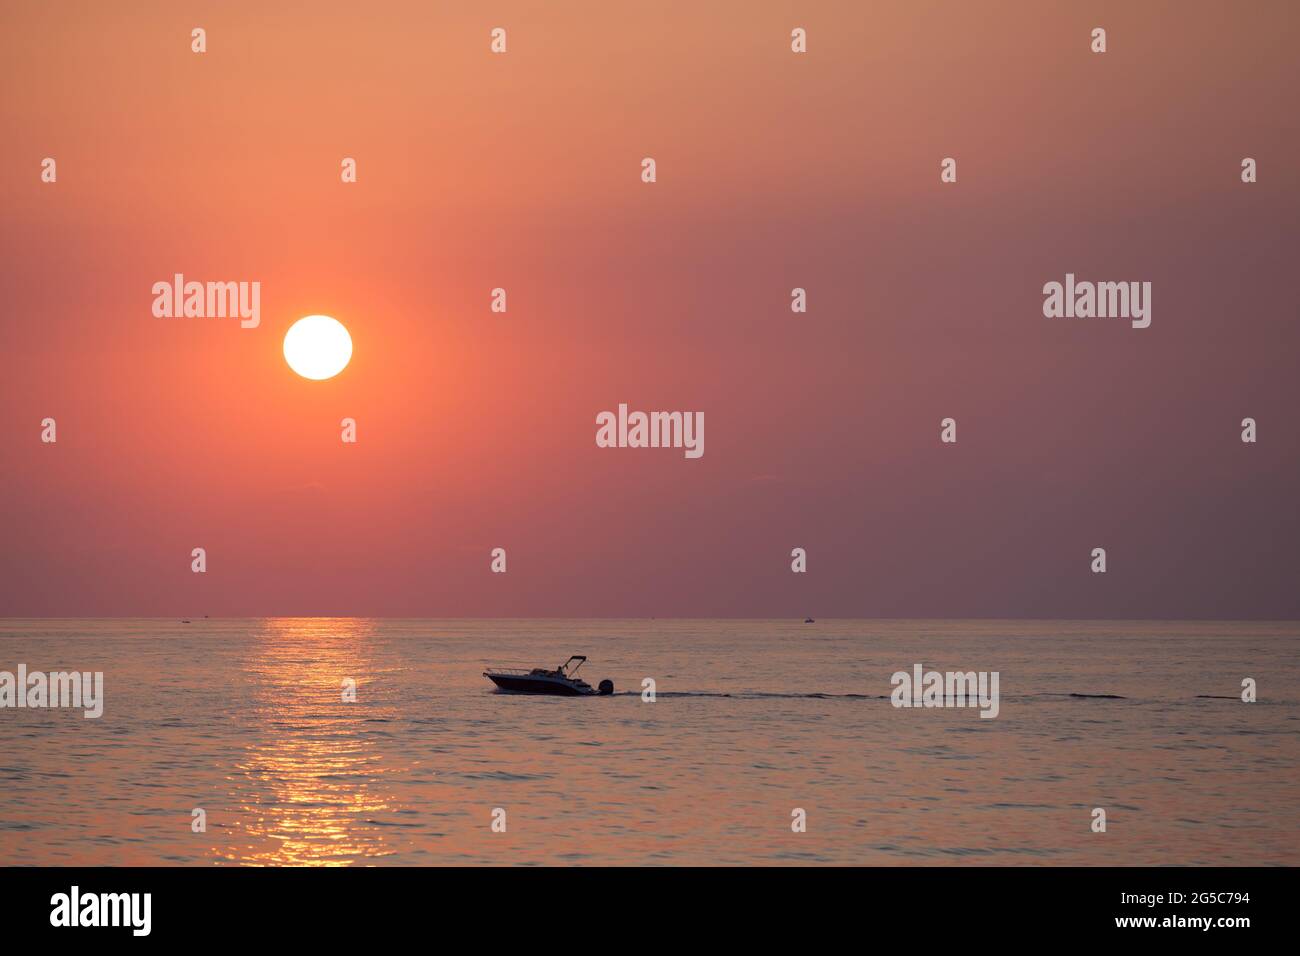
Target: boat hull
(537, 685)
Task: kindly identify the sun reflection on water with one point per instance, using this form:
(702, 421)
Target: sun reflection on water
(312, 784)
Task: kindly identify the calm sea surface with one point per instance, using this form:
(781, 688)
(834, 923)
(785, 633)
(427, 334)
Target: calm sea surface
(245, 719)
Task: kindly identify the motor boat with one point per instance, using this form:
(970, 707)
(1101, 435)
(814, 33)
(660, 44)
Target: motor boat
(562, 681)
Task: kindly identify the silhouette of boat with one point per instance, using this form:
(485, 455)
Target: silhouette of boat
(563, 681)
(809, 620)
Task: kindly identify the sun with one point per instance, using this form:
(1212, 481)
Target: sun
(317, 347)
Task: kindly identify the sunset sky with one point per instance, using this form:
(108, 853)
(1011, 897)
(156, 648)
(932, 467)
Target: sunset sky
(775, 170)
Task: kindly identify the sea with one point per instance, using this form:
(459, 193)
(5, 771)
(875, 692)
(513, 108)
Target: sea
(350, 741)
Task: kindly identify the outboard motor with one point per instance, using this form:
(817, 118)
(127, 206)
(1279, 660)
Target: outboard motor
(605, 688)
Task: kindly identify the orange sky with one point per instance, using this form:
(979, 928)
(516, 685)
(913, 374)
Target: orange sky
(477, 430)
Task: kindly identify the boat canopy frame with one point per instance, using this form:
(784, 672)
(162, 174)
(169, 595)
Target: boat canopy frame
(561, 671)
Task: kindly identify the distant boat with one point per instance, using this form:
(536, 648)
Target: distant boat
(185, 621)
(809, 620)
(559, 682)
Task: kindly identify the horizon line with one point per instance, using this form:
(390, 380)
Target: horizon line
(552, 617)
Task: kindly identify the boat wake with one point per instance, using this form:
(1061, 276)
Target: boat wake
(755, 695)
(772, 695)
